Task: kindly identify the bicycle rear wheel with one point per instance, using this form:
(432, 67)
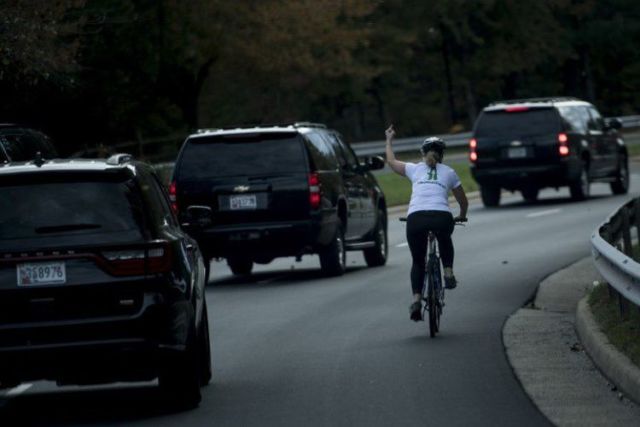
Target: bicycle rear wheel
(432, 303)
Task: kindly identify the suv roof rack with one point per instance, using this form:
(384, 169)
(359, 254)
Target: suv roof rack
(534, 100)
(265, 125)
(309, 125)
(119, 158)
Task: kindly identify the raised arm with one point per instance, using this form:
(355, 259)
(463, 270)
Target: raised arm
(396, 165)
(461, 198)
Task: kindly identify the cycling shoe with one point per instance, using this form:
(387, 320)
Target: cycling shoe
(415, 311)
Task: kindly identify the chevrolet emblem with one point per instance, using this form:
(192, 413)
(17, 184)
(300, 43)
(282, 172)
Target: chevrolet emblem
(241, 188)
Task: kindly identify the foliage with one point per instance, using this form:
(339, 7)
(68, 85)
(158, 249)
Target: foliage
(91, 71)
(624, 334)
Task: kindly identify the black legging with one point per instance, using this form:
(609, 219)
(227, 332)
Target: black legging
(418, 225)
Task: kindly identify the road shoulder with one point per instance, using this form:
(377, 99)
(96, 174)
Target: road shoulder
(548, 359)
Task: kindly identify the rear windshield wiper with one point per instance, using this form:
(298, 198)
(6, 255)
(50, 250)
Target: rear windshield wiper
(65, 227)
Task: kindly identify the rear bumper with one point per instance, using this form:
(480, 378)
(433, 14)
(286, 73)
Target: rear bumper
(538, 176)
(265, 240)
(95, 350)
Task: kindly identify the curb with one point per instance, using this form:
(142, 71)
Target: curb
(616, 366)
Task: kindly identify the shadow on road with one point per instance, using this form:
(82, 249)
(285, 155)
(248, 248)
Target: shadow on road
(544, 202)
(276, 278)
(115, 405)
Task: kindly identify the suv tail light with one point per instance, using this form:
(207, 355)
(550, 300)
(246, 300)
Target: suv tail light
(563, 140)
(516, 109)
(173, 197)
(314, 190)
(473, 145)
(155, 258)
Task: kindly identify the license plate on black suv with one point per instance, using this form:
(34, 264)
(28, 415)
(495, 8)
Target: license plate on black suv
(244, 202)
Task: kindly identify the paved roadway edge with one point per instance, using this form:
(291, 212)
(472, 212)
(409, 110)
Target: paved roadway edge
(616, 366)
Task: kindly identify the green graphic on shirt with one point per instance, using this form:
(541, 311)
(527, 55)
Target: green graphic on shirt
(433, 175)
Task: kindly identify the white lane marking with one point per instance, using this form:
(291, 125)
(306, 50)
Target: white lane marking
(543, 213)
(18, 390)
(402, 245)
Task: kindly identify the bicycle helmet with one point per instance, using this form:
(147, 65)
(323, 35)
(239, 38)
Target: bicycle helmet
(433, 143)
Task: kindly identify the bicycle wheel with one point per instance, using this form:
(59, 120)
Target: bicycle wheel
(432, 302)
(438, 291)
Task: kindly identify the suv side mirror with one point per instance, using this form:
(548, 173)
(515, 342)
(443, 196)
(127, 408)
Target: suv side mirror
(200, 216)
(373, 163)
(613, 123)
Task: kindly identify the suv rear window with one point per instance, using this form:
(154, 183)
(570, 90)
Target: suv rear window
(247, 154)
(536, 121)
(65, 207)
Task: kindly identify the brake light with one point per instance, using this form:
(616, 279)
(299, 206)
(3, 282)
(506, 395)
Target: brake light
(152, 259)
(314, 191)
(473, 155)
(172, 197)
(516, 109)
(563, 149)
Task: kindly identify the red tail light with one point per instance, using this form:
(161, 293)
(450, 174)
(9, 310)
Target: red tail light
(563, 149)
(152, 259)
(172, 197)
(516, 109)
(473, 155)
(314, 191)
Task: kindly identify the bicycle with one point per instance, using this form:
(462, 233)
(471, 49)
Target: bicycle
(434, 299)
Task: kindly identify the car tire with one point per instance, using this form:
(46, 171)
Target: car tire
(333, 257)
(490, 195)
(530, 194)
(179, 377)
(204, 349)
(240, 266)
(621, 184)
(377, 255)
(579, 188)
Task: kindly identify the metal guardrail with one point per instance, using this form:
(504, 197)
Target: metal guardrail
(159, 149)
(613, 255)
(453, 140)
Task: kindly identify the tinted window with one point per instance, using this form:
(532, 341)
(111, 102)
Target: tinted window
(532, 122)
(574, 118)
(247, 154)
(595, 122)
(13, 146)
(91, 211)
(346, 157)
(321, 152)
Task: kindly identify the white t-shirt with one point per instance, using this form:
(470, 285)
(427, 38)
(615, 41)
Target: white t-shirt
(430, 190)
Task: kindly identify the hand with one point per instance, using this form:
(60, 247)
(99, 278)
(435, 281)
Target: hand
(460, 219)
(390, 133)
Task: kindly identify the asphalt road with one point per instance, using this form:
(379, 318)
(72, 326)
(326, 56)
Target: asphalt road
(291, 347)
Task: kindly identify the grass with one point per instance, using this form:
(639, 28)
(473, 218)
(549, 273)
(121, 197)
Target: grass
(623, 334)
(397, 189)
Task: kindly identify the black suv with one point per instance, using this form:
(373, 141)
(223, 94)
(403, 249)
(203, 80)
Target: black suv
(254, 194)
(525, 145)
(18, 143)
(97, 281)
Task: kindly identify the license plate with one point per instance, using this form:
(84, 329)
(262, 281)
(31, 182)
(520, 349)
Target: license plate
(41, 273)
(517, 152)
(243, 202)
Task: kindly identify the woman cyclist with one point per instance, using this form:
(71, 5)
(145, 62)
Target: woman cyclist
(429, 211)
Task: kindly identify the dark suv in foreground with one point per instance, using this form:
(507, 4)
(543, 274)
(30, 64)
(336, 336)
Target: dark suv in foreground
(97, 281)
(526, 145)
(253, 194)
